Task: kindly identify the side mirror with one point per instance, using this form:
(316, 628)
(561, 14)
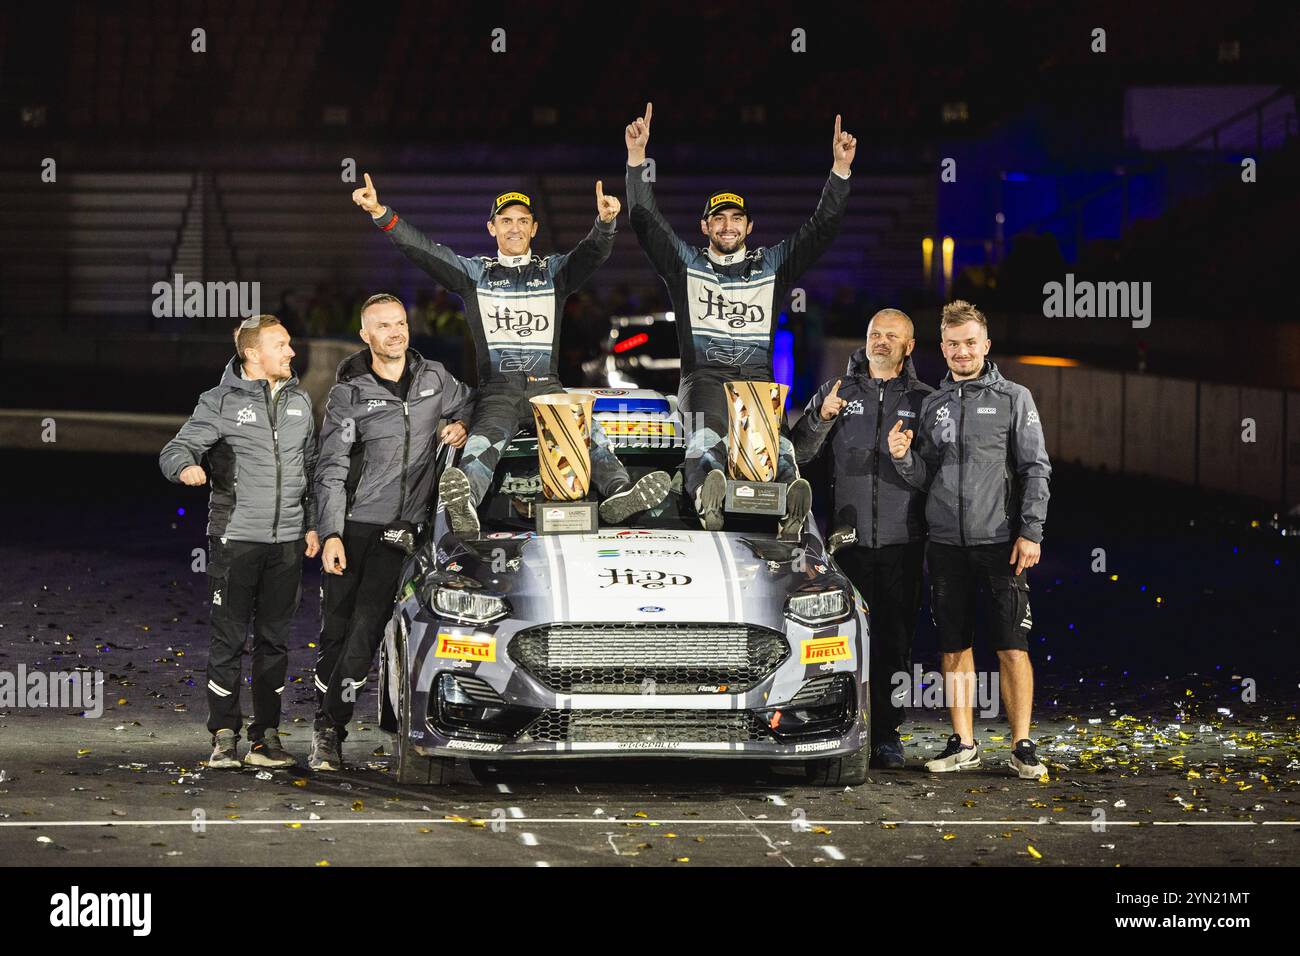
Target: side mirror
(841, 538)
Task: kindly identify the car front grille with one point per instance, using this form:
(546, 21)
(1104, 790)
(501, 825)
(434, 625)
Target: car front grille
(649, 727)
(655, 658)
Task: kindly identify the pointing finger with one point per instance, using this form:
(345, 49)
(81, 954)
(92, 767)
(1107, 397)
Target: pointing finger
(837, 125)
(897, 425)
(369, 184)
(835, 389)
(649, 107)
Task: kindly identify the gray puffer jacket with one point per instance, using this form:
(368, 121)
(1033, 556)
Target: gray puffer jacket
(377, 452)
(979, 452)
(260, 457)
(866, 492)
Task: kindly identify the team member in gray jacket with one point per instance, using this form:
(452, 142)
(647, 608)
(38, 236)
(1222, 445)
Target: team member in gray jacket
(981, 456)
(850, 417)
(259, 438)
(379, 444)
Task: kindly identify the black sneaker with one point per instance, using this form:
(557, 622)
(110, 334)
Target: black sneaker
(955, 756)
(888, 756)
(225, 752)
(1024, 761)
(454, 493)
(268, 752)
(645, 494)
(326, 750)
(798, 502)
(710, 499)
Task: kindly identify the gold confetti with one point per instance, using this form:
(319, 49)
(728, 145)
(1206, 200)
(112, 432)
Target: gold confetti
(682, 859)
(640, 813)
(822, 830)
(300, 783)
(950, 836)
(358, 805)
(294, 826)
(322, 862)
(1033, 852)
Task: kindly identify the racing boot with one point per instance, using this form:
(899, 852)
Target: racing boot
(798, 503)
(225, 754)
(454, 493)
(710, 498)
(268, 752)
(628, 499)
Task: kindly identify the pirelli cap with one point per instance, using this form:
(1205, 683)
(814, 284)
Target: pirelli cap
(511, 199)
(725, 201)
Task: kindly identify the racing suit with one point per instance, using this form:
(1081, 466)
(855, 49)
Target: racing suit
(726, 308)
(514, 306)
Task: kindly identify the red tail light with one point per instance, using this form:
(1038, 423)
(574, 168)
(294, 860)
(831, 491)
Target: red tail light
(628, 345)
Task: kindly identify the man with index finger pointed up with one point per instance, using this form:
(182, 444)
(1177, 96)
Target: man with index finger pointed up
(848, 420)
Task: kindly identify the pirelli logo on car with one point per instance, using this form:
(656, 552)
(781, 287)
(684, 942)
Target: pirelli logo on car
(461, 648)
(819, 650)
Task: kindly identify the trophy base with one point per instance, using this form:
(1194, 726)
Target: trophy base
(755, 497)
(566, 517)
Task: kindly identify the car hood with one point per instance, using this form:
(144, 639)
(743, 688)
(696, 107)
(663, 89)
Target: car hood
(648, 576)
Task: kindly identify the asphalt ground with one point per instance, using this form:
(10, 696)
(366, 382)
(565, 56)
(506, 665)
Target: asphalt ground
(1166, 703)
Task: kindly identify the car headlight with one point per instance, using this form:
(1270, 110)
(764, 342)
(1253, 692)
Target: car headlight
(471, 606)
(818, 608)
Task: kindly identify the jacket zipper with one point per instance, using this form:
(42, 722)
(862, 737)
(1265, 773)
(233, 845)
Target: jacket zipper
(406, 454)
(961, 467)
(275, 450)
(875, 463)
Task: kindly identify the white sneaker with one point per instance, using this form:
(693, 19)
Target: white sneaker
(955, 757)
(1024, 761)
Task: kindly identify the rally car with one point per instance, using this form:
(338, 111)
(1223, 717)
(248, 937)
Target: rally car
(654, 639)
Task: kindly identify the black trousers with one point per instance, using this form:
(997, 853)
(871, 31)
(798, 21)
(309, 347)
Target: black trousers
(889, 579)
(957, 575)
(355, 606)
(261, 583)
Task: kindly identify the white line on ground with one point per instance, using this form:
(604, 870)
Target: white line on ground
(424, 821)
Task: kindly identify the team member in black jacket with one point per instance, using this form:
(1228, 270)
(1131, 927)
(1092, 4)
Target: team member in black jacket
(850, 418)
(726, 299)
(256, 432)
(514, 303)
(379, 444)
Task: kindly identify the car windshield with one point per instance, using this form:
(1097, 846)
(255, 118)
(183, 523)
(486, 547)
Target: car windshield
(517, 486)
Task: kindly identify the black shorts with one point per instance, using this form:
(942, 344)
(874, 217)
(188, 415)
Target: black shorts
(957, 575)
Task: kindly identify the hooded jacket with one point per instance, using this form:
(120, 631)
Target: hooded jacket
(260, 457)
(980, 454)
(866, 490)
(377, 452)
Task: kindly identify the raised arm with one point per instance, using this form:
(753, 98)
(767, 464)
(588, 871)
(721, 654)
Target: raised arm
(916, 465)
(444, 266)
(819, 417)
(668, 254)
(795, 254)
(575, 267)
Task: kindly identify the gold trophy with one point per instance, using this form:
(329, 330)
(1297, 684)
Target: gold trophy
(754, 413)
(564, 462)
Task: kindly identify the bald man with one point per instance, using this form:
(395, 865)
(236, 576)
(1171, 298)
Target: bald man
(850, 418)
(384, 421)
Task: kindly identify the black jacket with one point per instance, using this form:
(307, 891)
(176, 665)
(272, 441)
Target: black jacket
(866, 491)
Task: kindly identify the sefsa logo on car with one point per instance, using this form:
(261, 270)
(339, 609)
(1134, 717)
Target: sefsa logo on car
(650, 609)
(819, 649)
(473, 745)
(466, 648)
(820, 745)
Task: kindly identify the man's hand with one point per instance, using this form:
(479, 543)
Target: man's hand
(367, 199)
(453, 434)
(334, 561)
(833, 403)
(844, 146)
(636, 136)
(313, 544)
(607, 207)
(899, 441)
(193, 475)
(1025, 554)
